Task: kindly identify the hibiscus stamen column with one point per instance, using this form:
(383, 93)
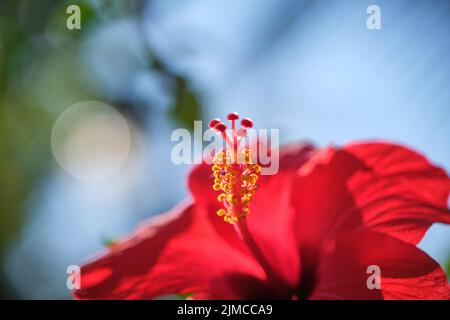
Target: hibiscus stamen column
(236, 176)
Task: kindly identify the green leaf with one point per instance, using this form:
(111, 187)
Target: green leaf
(447, 268)
(186, 108)
(110, 242)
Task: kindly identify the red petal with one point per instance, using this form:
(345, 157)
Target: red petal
(384, 187)
(271, 215)
(406, 272)
(173, 254)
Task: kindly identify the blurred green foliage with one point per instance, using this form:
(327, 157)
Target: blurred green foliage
(40, 75)
(34, 78)
(186, 107)
(447, 269)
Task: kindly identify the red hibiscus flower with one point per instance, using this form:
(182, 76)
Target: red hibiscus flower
(311, 231)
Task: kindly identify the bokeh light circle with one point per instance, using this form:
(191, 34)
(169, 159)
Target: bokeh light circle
(91, 140)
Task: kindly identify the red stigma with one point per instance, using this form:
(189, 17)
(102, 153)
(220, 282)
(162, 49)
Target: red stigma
(236, 135)
(214, 122)
(247, 123)
(233, 116)
(221, 127)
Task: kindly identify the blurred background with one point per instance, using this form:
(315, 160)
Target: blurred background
(86, 115)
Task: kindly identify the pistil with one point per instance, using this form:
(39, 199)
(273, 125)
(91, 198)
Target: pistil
(236, 176)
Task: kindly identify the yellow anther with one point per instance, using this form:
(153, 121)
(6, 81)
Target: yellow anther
(237, 181)
(254, 177)
(246, 199)
(219, 159)
(232, 198)
(221, 197)
(221, 212)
